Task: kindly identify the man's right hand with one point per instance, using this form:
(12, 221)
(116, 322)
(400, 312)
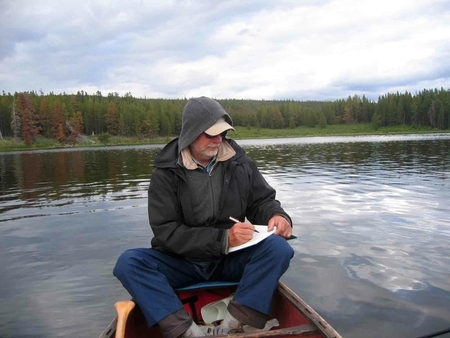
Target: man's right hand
(240, 233)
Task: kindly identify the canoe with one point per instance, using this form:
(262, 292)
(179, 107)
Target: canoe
(295, 317)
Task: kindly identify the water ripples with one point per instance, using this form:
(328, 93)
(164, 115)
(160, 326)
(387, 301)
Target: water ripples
(371, 215)
(71, 198)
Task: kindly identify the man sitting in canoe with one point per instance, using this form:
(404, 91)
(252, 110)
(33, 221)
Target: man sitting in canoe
(201, 179)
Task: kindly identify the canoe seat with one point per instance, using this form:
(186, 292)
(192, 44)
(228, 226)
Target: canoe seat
(208, 285)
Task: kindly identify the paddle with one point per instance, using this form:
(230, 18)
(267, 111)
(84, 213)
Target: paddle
(435, 334)
(123, 309)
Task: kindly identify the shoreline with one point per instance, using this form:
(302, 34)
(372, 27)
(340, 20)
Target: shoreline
(242, 133)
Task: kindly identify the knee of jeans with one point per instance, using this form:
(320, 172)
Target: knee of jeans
(123, 263)
(282, 249)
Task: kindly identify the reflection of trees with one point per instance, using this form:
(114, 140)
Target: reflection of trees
(65, 174)
(61, 173)
(2, 173)
(79, 165)
(30, 173)
(352, 154)
(8, 182)
(70, 174)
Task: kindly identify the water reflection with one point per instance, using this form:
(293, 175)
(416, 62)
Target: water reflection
(371, 215)
(37, 180)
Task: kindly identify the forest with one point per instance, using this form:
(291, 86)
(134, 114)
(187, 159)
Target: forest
(25, 116)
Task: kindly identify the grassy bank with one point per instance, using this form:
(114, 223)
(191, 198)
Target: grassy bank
(9, 144)
(333, 130)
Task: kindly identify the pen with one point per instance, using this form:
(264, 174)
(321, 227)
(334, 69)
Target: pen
(237, 221)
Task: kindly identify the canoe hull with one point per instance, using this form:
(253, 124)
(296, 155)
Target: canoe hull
(296, 318)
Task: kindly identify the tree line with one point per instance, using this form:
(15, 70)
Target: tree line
(65, 117)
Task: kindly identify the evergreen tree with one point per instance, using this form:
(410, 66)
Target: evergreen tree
(348, 116)
(292, 122)
(441, 115)
(415, 117)
(376, 121)
(432, 114)
(400, 111)
(75, 126)
(6, 103)
(73, 104)
(45, 117)
(59, 125)
(153, 122)
(129, 116)
(321, 120)
(277, 119)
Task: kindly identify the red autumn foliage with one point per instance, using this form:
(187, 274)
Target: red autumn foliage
(28, 119)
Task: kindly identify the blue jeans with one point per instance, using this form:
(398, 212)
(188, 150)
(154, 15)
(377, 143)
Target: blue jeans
(150, 276)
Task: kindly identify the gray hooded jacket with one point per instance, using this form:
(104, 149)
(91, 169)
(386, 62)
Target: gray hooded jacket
(244, 193)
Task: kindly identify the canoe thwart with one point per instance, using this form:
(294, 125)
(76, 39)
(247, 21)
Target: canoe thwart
(304, 330)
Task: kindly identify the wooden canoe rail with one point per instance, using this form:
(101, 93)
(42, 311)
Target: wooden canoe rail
(308, 311)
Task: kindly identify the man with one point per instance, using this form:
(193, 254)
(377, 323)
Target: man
(201, 179)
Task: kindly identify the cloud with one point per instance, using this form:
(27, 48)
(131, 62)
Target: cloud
(254, 50)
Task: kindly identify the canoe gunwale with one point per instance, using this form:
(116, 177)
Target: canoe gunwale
(110, 330)
(308, 311)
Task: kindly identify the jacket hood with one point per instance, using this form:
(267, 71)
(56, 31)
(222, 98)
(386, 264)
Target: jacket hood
(199, 114)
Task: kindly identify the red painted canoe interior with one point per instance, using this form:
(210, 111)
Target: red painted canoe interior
(285, 311)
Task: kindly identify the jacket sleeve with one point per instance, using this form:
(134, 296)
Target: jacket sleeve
(262, 204)
(167, 220)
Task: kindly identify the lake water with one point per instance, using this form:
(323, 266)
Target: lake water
(372, 216)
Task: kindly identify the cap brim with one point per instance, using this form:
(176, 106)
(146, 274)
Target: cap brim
(218, 128)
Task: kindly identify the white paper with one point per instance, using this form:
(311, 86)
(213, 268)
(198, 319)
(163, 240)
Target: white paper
(257, 237)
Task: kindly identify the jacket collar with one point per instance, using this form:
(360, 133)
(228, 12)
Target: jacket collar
(225, 152)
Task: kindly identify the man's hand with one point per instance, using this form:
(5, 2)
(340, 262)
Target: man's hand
(284, 229)
(240, 233)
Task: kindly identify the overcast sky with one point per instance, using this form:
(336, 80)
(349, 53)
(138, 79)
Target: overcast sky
(302, 50)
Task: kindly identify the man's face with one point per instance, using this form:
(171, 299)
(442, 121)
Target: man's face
(205, 147)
